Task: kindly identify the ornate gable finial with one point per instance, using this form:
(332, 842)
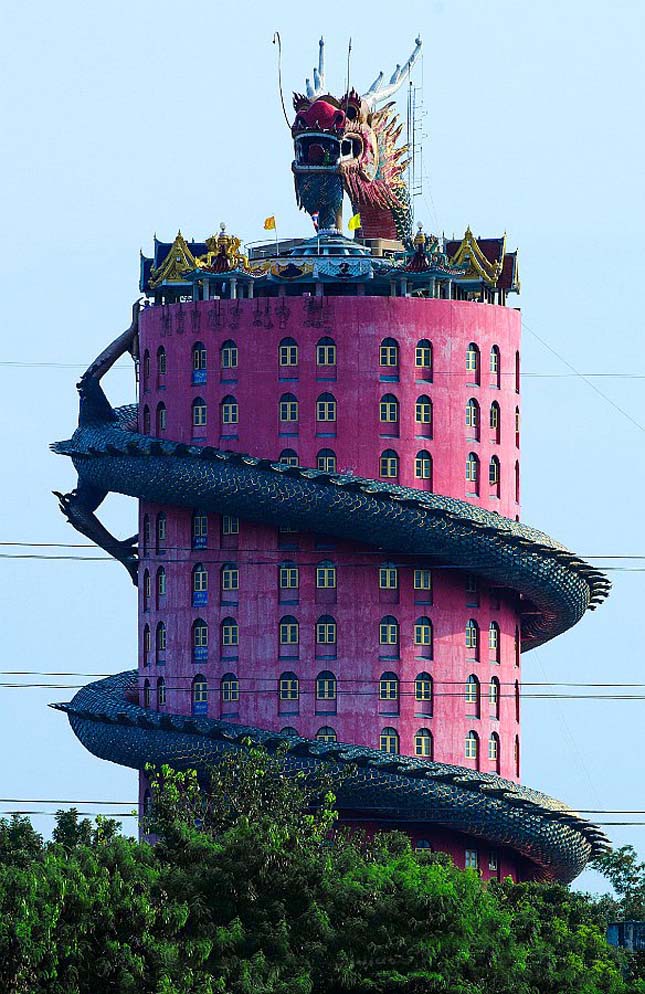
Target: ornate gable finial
(179, 261)
(469, 254)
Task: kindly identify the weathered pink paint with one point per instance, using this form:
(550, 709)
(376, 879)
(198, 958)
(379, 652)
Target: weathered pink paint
(357, 325)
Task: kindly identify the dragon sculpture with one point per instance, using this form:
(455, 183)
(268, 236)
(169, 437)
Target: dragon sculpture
(350, 146)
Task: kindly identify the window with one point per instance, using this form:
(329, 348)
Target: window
(388, 577)
(200, 415)
(423, 410)
(146, 370)
(200, 637)
(495, 367)
(146, 420)
(517, 427)
(517, 646)
(517, 756)
(288, 687)
(423, 687)
(422, 845)
(288, 352)
(325, 575)
(230, 524)
(471, 859)
(389, 353)
(472, 638)
(389, 631)
(146, 534)
(162, 363)
(388, 687)
(389, 465)
(200, 584)
(472, 419)
(288, 730)
(230, 632)
(472, 696)
(230, 688)
(493, 861)
(326, 352)
(423, 632)
(517, 700)
(472, 363)
(146, 590)
(517, 482)
(422, 579)
(326, 630)
(162, 418)
(326, 407)
(288, 407)
(200, 695)
(230, 577)
(423, 466)
(161, 582)
(423, 743)
(389, 741)
(288, 458)
(326, 686)
(495, 422)
(472, 590)
(494, 475)
(146, 694)
(199, 530)
(288, 631)
(160, 643)
(493, 642)
(161, 692)
(472, 474)
(288, 576)
(423, 355)
(230, 411)
(147, 645)
(517, 372)
(326, 734)
(199, 363)
(389, 409)
(493, 747)
(493, 697)
(472, 746)
(228, 355)
(326, 461)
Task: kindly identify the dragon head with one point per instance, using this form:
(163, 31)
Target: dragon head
(349, 145)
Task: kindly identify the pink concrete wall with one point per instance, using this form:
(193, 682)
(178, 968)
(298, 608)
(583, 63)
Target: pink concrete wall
(357, 325)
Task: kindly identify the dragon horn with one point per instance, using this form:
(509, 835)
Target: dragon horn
(319, 73)
(378, 93)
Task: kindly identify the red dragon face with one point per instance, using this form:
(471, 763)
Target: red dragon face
(334, 136)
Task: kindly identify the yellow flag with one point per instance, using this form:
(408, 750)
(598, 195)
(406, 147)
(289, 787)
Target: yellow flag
(354, 222)
(269, 223)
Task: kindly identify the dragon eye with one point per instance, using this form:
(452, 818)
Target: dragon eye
(352, 112)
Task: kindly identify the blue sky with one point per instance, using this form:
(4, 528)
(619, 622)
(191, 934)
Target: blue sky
(124, 119)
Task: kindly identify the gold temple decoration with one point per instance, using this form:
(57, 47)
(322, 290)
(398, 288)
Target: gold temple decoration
(469, 254)
(224, 253)
(179, 261)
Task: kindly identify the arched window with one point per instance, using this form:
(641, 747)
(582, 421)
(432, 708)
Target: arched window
(199, 362)
(146, 534)
(472, 639)
(472, 474)
(388, 687)
(389, 353)
(388, 409)
(288, 407)
(495, 423)
(517, 701)
(146, 370)
(288, 687)
(230, 411)
(423, 468)
(291, 732)
(423, 693)
(326, 734)
(493, 697)
(146, 694)
(493, 750)
(517, 372)
(423, 415)
(288, 576)
(146, 420)
(326, 407)
(160, 643)
(423, 743)
(495, 367)
(389, 630)
(228, 355)
(289, 630)
(325, 575)
(230, 632)
(472, 419)
(147, 645)
(162, 419)
(423, 634)
(326, 630)
(229, 689)
(288, 457)
(200, 639)
(326, 461)
(517, 427)
(288, 352)
(517, 482)
(161, 692)
(473, 698)
(326, 686)
(146, 590)
(161, 584)
(517, 756)
(472, 746)
(389, 741)
(472, 363)
(326, 352)
(494, 480)
(199, 530)
(200, 585)
(422, 845)
(162, 365)
(517, 646)
(423, 358)
(200, 695)
(200, 412)
(493, 642)
(388, 577)
(389, 465)
(230, 577)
